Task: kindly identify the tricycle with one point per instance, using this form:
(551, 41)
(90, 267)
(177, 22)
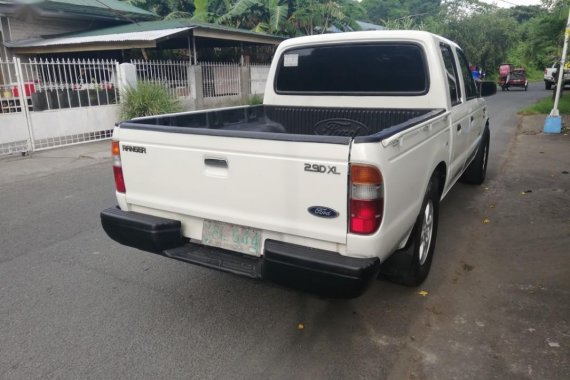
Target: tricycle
(512, 77)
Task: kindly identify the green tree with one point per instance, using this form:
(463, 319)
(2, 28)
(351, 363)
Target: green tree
(543, 37)
(258, 15)
(403, 23)
(379, 11)
(201, 11)
(319, 16)
(485, 38)
(294, 17)
(166, 8)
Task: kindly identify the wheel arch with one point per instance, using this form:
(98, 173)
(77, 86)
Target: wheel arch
(440, 172)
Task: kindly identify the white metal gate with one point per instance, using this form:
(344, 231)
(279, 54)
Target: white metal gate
(15, 132)
(46, 104)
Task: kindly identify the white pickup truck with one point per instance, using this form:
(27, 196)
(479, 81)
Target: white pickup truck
(336, 177)
(550, 75)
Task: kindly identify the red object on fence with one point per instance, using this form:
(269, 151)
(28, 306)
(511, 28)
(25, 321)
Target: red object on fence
(29, 89)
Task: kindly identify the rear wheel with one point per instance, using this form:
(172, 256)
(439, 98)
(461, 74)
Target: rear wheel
(410, 266)
(477, 170)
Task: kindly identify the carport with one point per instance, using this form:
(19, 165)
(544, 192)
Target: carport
(161, 35)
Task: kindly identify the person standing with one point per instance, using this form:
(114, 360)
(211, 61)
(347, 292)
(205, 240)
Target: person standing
(476, 74)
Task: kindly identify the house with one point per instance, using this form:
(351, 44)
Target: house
(25, 20)
(108, 29)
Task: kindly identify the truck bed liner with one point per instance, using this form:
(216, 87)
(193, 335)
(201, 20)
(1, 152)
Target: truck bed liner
(340, 124)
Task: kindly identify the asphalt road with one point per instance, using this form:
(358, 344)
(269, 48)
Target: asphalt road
(74, 305)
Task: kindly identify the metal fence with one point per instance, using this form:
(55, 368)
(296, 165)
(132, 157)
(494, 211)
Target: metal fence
(220, 79)
(9, 99)
(57, 84)
(174, 75)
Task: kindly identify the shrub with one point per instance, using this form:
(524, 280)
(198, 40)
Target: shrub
(255, 99)
(148, 99)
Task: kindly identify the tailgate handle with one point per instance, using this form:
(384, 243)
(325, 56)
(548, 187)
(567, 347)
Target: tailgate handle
(216, 162)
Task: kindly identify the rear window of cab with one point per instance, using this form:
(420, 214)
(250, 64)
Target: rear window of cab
(356, 69)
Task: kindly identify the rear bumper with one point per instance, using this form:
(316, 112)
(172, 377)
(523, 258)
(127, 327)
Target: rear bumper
(318, 271)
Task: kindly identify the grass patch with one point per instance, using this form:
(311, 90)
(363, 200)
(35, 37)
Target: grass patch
(544, 106)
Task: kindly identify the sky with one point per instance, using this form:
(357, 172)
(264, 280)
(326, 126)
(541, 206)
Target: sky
(512, 3)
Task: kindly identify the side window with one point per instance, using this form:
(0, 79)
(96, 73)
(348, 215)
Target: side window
(451, 72)
(470, 89)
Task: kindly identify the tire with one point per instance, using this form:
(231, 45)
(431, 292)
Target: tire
(477, 170)
(410, 266)
(547, 85)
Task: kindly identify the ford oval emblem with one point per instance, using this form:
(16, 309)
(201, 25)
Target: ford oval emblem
(340, 127)
(323, 212)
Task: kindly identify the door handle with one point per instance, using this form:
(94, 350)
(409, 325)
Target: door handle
(458, 127)
(216, 162)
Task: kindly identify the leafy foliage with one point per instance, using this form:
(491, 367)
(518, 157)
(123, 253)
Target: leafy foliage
(379, 11)
(485, 39)
(165, 8)
(319, 16)
(146, 100)
(403, 23)
(255, 99)
(257, 15)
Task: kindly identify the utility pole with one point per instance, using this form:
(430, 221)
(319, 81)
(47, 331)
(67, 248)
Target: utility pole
(553, 122)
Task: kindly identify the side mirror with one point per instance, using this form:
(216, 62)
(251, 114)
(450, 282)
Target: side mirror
(487, 88)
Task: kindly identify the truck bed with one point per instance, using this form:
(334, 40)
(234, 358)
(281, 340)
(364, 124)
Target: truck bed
(315, 124)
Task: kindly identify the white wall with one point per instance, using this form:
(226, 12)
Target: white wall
(72, 121)
(258, 78)
(13, 127)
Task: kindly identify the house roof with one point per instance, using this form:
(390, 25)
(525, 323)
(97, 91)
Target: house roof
(143, 35)
(109, 9)
(140, 39)
(169, 24)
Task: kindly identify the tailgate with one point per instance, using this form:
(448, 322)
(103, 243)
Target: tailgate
(264, 184)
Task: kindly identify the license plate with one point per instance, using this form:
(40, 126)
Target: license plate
(232, 237)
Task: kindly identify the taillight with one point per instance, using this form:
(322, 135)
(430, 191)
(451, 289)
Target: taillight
(366, 199)
(118, 168)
